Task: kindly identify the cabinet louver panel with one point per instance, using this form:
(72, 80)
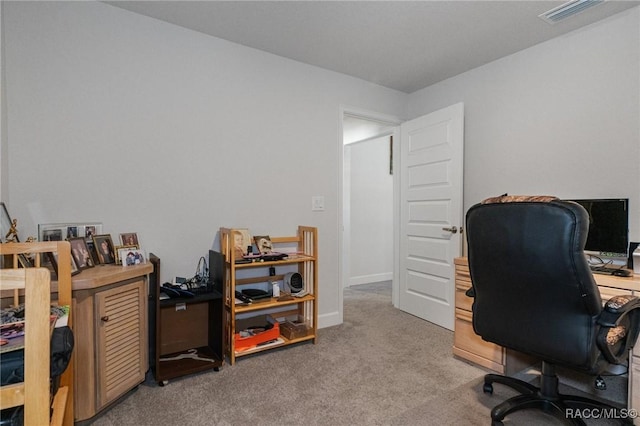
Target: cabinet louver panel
(120, 313)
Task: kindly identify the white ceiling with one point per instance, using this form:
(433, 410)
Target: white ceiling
(403, 45)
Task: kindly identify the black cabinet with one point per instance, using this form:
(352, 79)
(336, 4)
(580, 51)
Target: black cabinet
(187, 332)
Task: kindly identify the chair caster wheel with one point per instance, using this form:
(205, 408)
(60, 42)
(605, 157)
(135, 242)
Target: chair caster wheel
(496, 423)
(488, 388)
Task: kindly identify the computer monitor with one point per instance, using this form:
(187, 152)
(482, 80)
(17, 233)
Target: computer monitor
(608, 226)
(216, 269)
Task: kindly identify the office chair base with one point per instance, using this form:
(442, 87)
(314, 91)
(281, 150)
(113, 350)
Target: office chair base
(546, 398)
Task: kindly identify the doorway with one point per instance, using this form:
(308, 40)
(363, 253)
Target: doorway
(427, 208)
(367, 200)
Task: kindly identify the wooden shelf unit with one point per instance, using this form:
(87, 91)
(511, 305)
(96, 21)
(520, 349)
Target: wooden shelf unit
(304, 260)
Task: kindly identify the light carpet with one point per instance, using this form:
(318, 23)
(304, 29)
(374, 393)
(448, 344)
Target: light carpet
(380, 367)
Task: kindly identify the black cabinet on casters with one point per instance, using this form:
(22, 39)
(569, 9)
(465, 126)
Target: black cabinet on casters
(185, 333)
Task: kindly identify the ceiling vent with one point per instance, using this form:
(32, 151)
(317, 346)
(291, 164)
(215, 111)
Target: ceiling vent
(568, 9)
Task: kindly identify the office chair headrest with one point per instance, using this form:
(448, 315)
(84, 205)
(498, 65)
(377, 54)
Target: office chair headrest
(519, 199)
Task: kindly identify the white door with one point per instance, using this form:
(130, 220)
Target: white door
(431, 164)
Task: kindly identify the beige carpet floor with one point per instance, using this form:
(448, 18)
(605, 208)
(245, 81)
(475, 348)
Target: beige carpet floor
(380, 367)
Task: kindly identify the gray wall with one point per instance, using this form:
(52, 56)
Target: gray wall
(151, 128)
(560, 118)
(155, 129)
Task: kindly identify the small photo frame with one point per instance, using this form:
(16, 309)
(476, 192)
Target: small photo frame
(104, 248)
(129, 239)
(51, 235)
(241, 242)
(90, 231)
(53, 259)
(132, 256)
(92, 251)
(72, 232)
(80, 253)
(117, 250)
(24, 261)
(263, 244)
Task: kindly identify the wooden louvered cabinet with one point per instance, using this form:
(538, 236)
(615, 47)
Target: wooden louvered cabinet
(111, 337)
(120, 340)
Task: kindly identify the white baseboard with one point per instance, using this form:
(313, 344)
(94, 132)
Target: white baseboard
(372, 278)
(329, 320)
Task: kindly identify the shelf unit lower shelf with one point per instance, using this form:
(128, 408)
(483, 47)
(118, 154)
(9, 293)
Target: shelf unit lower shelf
(285, 342)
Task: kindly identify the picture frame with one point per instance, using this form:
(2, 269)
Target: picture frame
(104, 248)
(241, 242)
(24, 261)
(263, 244)
(129, 239)
(66, 230)
(53, 259)
(92, 251)
(132, 256)
(7, 225)
(80, 253)
(117, 249)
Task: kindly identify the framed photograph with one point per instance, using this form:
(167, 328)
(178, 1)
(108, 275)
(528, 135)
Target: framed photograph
(24, 261)
(132, 256)
(8, 231)
(72, 231)
(62, 231)
(241, 242)
(80, 253)
(263, 244)
(104, 248)
(53, 259)
(117, 249)
(129, 239)
(92, 251)
(90, 231)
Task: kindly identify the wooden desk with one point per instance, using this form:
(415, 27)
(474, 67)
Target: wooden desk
(468, 345)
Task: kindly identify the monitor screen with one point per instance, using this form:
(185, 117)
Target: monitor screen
(216, 269)
(608, 226)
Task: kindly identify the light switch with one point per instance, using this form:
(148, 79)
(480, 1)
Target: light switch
(317, 203)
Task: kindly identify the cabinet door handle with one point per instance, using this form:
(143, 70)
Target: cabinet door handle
(453, 229)
(105, 318)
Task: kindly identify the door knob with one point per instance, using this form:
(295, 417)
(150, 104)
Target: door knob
(453, 229)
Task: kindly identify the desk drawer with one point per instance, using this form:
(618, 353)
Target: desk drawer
(463, 301)
(467, 340)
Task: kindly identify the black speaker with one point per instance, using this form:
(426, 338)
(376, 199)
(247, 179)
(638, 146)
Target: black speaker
(632, 247)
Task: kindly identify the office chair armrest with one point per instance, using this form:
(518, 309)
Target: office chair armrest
(619, 327)
(616, 307)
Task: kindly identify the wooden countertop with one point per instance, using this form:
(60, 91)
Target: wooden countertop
(102, 275)
(98, 276)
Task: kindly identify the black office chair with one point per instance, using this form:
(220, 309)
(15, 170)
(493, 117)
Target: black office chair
(534, 293)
